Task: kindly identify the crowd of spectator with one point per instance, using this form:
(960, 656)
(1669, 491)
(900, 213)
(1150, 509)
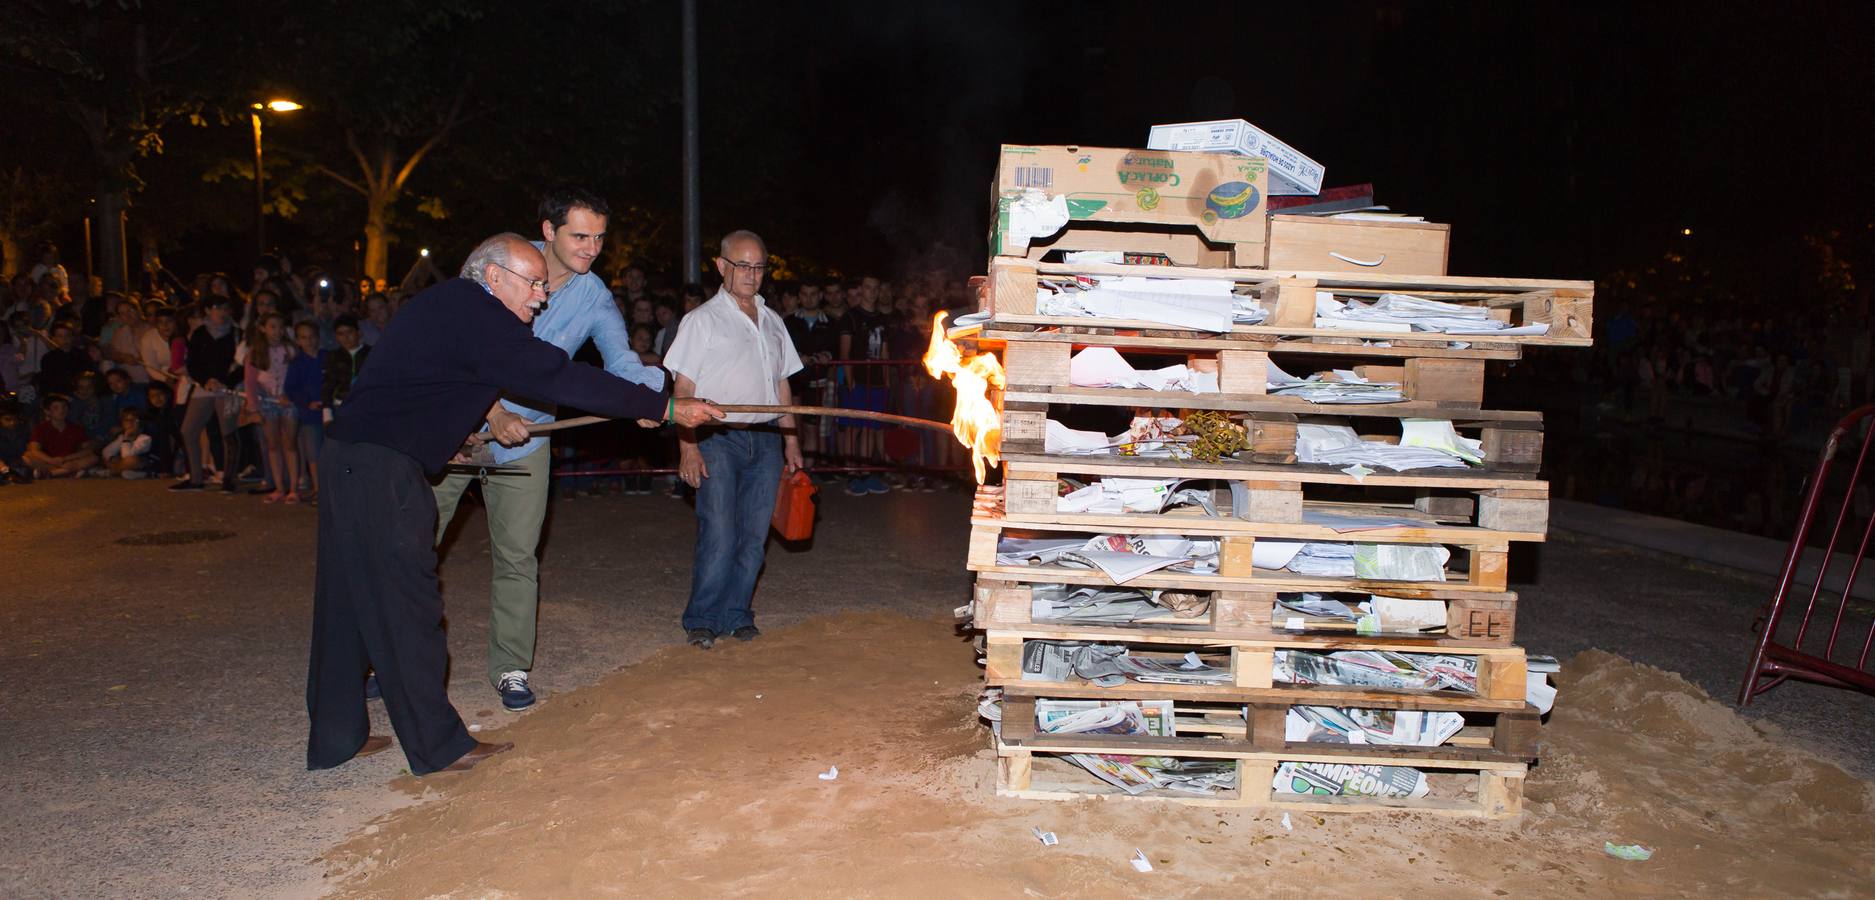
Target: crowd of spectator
(127, 384)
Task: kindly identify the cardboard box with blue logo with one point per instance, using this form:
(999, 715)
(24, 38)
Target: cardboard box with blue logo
(1098, 198)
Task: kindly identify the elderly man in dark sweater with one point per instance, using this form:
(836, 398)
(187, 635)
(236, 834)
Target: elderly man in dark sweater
(434, 377)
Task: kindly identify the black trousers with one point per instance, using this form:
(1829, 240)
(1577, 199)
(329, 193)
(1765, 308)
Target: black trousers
(376, 605)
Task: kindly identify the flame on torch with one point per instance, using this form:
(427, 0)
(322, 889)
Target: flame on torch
(976, 423)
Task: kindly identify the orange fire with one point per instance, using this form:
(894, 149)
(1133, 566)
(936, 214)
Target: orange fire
(976, 423)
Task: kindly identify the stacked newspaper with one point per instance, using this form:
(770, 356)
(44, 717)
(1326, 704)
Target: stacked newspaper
(1115, 495)
(1104, 367)
(1122, 558)
(1335, 780)
(1340, 445)
(1149, 437)
(1132, 717)
(1338, 386)
(1380, 669)
(1200, 304)
(1397, 728)
(1334, 559)
(1404, 313)
(1363, 613)
(1111, 665)
(1103, 605)
(1139, 774)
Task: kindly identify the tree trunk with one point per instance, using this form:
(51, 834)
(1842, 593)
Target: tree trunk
(377, 236)
(107, 230)
(10, 261)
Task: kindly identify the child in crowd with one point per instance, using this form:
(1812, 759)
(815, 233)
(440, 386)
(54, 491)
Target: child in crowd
(91, 411)
(14, 436)
(163, 423)
(128, 454)
(58, 447)
(269, 354)
(305, 381)
(124, 393)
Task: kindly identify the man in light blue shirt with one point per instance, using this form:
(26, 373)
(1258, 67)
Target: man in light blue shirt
(580, 308)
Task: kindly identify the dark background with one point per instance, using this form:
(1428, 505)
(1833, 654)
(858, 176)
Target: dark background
(1557, 139)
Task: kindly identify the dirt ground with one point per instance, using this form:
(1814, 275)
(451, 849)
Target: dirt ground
(151, 733)
(695, 775)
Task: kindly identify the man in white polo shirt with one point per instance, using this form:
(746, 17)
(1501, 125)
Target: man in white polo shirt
(733, 349)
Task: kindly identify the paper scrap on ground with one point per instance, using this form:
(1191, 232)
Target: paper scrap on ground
(1140, 862)
(831, 773)
(1286, 825)
(1630, 852)
(1047, 838)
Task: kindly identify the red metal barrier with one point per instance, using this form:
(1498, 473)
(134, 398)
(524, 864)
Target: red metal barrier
(1775, 659)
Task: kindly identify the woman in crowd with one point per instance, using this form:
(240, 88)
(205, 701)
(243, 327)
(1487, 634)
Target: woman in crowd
(268, 356)
(305, 379)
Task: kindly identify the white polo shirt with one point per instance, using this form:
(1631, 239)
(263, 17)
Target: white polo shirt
(730, 358)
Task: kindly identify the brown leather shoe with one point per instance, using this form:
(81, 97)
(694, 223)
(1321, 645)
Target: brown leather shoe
(376, 743)
(475, 755)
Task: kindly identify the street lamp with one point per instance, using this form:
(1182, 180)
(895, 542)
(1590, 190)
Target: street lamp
(260, 176)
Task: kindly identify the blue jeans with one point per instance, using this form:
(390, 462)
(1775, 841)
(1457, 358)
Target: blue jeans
(734, 506)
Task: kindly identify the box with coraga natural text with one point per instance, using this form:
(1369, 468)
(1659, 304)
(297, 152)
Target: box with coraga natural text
(1192, 208)
(1291, 173)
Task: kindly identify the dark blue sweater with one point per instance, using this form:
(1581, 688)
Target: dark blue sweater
(447, 355)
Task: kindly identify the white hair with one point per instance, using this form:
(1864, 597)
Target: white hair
(496, 251)
(740, 234)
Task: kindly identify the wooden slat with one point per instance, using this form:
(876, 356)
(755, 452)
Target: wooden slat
(1159, 339)
(1305, 473)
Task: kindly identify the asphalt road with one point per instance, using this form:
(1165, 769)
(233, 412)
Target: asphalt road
(152, 719)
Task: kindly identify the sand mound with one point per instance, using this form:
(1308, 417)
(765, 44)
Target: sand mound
(696, 774)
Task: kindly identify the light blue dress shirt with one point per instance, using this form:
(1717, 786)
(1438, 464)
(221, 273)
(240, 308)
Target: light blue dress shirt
(582, 309)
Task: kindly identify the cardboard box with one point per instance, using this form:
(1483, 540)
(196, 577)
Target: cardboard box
(1221, 197)
(1290, 171)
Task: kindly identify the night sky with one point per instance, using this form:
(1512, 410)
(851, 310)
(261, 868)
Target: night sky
(1560, 140)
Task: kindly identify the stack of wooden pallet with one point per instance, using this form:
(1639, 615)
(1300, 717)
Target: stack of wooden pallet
(1236, 616)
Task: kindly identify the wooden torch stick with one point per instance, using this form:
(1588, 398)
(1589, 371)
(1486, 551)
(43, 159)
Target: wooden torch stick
(910, 421)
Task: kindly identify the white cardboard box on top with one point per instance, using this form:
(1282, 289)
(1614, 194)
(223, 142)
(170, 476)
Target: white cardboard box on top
(1290, 172)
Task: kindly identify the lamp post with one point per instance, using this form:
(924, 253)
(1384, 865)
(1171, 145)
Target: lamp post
(260, 176)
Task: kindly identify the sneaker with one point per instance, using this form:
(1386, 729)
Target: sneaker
(877, 485)
(747, 633)
(371, 687)
(857, 487)
(702, 638)
(929, 485)
(186, 486)
(515, 695)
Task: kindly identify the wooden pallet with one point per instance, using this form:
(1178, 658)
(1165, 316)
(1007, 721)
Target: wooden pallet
(1513, 443)
(1566, 306)
(1501, 670)
(1472, 619)
(1487, 568)
(1277, 508)
(1490, 790)
(1492, 735)
(1428, 383)
(1173, 341)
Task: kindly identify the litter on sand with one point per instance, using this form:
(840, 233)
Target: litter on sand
(1140, 862)
(1286, 825)
(1047, 838)
(831, 773)
(1632, 852)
